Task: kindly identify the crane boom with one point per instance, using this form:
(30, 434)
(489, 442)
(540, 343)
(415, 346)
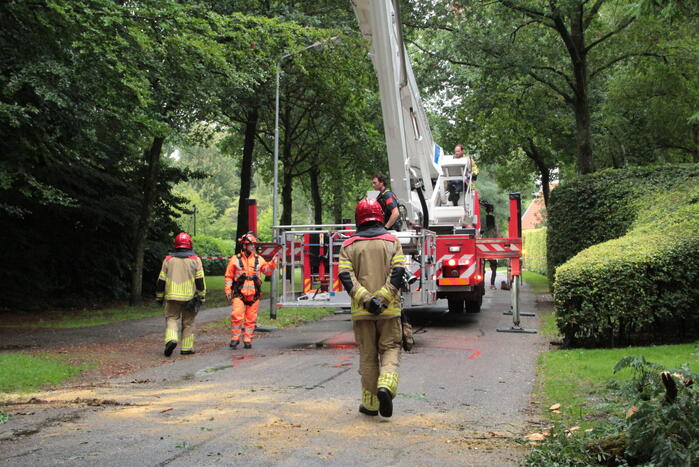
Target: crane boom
(413, 156)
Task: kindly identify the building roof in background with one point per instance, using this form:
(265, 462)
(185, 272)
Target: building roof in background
(535, 215)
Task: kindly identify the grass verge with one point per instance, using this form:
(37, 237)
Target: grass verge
(549, 328)
(540, 285)
(285, 317)
(538, 282)
(64, 319)
(577, 378)
(21, 372)
(645, 414)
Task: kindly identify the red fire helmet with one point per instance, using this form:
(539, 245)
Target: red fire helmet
(247, 238)
(368, 210)
(183, 240)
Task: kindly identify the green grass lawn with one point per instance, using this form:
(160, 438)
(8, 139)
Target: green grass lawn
(549, 328)
(285, 317)
(61, 319)
(576, 378)
(21, 372)
(538, 282)
(540, 285)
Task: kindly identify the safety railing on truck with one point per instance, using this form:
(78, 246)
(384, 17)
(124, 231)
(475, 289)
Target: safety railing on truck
(309, 261)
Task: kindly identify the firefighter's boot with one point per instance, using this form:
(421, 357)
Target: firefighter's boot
(170, 340)
(247, 345)
(234, 344)
(370, 404)
(169, 347)
(387, 388)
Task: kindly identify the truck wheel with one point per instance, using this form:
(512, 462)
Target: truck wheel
(456, 304)
(473, 306)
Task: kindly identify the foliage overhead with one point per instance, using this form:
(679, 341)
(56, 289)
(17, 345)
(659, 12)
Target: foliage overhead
(88, 89)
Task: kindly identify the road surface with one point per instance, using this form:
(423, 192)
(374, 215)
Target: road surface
(463, 399)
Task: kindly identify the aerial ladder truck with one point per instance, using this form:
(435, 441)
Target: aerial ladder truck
(445, 256)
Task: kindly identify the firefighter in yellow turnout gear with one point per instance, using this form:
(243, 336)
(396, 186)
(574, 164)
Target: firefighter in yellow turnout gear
(371, 269)
(181, 284)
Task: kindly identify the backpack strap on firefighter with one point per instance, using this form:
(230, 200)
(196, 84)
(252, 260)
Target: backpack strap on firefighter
(255, 278)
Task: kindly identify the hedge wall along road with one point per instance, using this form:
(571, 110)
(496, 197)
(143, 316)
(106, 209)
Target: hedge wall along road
(535, 250)
(641, 287)
(603, 206)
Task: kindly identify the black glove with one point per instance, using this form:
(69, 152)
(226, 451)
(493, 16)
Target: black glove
(375, 307)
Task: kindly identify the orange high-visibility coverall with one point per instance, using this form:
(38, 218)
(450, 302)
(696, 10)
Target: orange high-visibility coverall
(246, 297)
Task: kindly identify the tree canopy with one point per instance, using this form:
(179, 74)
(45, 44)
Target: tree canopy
(97, 97)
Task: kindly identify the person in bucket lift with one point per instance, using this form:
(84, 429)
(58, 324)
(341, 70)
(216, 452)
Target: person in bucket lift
(456, 187)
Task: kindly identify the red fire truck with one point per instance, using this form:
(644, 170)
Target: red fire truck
(441, 232)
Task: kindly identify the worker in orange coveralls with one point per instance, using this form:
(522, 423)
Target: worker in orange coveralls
(243, 287)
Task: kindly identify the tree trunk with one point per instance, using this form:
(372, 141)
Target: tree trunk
(581, 101)
(287, 204)
(288, 166)
(150, 189)
(695, 139)
(583, 133)
(545, 186)
(337, 209)
(314, 173)
(535, 155)
(246, 172)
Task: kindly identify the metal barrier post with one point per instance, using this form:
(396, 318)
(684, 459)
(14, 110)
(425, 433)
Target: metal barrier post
(515, 231)
(275, 283)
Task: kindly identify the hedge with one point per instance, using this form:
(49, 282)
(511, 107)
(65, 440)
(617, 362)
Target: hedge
(603, 206)
(206, 245)
(535, 250)
(643, 286)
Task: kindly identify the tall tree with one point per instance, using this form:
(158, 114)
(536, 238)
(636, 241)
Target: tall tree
(91, 92)
(70, 147)
(562, 45)
(184, 43)
(650, 111)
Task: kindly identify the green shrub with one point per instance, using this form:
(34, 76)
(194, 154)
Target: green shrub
(535, 247)
(206, 245)
(663, 430)
(602, 206)
(641, 287)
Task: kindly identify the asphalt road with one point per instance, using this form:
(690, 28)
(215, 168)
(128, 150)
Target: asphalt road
(464, 398)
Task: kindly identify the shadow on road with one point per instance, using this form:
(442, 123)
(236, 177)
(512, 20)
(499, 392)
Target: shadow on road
(440, 317)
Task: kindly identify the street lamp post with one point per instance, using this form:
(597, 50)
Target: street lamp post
(275, 194)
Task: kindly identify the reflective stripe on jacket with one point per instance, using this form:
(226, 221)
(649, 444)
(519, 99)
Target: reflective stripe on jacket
(369, 262)
(234, 269)
(180, 275)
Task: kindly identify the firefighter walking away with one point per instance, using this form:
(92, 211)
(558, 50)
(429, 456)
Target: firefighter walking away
(243, 288)
(371, 269)
(181, 285)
